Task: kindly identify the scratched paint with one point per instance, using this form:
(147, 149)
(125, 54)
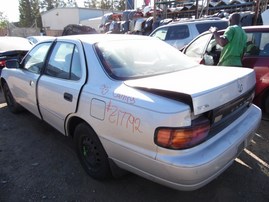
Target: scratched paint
(104, 89)
(124, 98)
(123, 118)
(127, 99)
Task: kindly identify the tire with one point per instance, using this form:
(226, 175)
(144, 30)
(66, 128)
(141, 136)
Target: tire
(91, 153)
(13, 106)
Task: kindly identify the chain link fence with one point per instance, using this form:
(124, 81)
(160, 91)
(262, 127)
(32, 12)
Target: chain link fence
(12, 30)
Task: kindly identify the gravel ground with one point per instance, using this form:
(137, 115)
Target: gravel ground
(39, 164)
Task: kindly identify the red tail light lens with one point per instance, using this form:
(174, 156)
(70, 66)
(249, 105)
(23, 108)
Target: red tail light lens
(183, 138)
(2, 63)
(202, 62)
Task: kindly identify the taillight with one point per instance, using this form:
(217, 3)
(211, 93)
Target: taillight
(202, 62)
(184, 137)
(2, 63)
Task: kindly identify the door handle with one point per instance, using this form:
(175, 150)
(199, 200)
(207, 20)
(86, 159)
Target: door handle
(31, 83)
(68, 97)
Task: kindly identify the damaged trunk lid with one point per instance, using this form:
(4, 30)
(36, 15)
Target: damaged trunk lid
(204, 88)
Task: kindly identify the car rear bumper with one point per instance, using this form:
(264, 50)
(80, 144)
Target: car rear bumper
(193, 168)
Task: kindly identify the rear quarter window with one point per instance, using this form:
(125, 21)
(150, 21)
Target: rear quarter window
(160, 33)
(257, 43)
(202, 27)
(178, 32)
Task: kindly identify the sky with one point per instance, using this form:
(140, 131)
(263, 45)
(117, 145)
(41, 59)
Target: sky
(10, 8)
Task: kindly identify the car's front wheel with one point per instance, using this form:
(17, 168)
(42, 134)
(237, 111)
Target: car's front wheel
(13, 106)
(91, 153)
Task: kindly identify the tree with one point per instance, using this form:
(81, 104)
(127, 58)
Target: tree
(30, 10)
(91, 4)
(119, 5)
(26, 16)
(106, 4)
(36, 13)
(29, 13)
(3, 20)
(46, 5)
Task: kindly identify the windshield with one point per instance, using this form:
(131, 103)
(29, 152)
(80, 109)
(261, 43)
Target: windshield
(136, 58)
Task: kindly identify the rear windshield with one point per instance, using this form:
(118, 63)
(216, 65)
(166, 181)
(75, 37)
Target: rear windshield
(129, 59)
(202, 27)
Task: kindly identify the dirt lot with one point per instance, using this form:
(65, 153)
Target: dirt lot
(39, 164)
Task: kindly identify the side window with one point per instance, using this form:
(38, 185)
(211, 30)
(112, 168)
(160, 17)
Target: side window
(64, 62)
(252, 46)
(76, 66)
(35, 59)
(197, 48)
(202, 27)
(264, 45)
(178, 32)
(161, 33)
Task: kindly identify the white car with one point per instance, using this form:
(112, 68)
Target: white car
(36, 39)
(136, 103)
(180, 33)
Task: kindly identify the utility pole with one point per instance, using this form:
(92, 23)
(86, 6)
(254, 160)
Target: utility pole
(257, 11)
(197, 8)
(154, 11)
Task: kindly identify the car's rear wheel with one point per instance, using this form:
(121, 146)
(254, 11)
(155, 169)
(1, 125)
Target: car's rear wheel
(91, 153)
(13, 106)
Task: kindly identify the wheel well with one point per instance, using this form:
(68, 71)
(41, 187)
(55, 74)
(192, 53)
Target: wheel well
(72, 123)
(2, 81)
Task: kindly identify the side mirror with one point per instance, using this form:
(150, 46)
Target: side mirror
(13, 63)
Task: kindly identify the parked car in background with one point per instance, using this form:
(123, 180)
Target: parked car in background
(12, 48)
(155, 115)
(179, 34)
(204, 50)
(73, 29)
(36, 39)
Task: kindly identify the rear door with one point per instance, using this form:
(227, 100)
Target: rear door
(60, 85)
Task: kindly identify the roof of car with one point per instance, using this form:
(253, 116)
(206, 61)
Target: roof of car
(194, 21)
(256, 27)
(253, 28)
(9, 43)
(94, 38)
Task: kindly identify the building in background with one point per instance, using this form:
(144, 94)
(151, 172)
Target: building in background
(56, 19)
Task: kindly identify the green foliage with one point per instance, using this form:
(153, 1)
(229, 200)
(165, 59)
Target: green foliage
(30, 10)
(29, 13)
(119, 5)
(46, 5)
(106, 4)
(91, 4)
(3, 21)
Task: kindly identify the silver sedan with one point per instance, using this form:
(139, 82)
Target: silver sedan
(136, 103)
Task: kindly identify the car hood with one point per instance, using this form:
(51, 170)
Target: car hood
(204, 87)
